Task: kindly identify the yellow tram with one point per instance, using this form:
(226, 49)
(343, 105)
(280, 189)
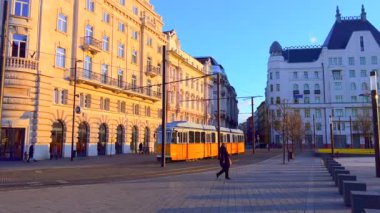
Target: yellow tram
(186, 141)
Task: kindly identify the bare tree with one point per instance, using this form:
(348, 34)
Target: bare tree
(364, 124)
(296, 131)
(282, 124)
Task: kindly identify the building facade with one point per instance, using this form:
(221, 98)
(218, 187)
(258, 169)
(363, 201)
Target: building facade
(228, 97)
(328, 80)
(109, 52)
(189, 84)
(116, 47)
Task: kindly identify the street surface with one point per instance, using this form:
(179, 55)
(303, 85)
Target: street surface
(107, 169)
(302, 185)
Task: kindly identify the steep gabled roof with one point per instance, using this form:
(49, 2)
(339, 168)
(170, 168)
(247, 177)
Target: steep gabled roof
(342, 31)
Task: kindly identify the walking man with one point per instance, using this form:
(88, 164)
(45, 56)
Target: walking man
(31, 153)
(225, 162)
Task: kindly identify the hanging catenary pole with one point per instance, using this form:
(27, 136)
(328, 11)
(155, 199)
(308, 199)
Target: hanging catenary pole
(163, 126)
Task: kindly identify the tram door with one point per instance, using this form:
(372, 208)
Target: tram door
(12, 143)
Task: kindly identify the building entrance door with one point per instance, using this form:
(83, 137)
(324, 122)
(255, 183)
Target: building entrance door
(82, 140)
(119, 140)
(12, 143)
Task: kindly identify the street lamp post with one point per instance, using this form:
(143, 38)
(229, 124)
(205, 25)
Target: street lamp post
(375, 118)
(331, 137)
(73, 120)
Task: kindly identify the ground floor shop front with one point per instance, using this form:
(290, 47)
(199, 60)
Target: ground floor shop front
(87, 140)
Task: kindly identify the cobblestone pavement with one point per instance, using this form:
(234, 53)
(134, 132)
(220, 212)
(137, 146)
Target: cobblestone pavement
(302, 185)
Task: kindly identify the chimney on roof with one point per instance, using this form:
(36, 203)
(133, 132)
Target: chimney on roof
(363, 15)
(338, 15)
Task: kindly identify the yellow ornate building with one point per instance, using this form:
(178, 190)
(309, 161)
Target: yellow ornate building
(188, 99)
(115, 49)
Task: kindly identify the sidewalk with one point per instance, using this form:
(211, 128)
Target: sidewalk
(303, 185)
(364, 169)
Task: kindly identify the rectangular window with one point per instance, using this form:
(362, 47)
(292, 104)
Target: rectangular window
(60, 57)
(318, 126)
(295, 75)
(317, 99)
(270, 76)
(361, 43)
(337, 75)
(318, 113)
(363, 73)
(374, 60)
(106, 17)
(351, 61)
(90, 5)
(307, 113)
(120, 77)
(105, 43)
(338, 112)
(149, 42)
(122, 2)
(339, 98)
(340, 61)
(277, 75)
(62, 23)
(278, 100)
(21, 8)
(352, 73)
(64, 96)
(135, 34)
(316, 75)
(271, 87)
(362, 61)
(354, 98)
(354, 112)
(134, 57)
(338, 85)
(305, 75)
(87, 101)
(306, 100)
(19, 46)
(104, 76)
(121, 27)
(135, 10)
(277, 87)
(120, 50)
(134, 82)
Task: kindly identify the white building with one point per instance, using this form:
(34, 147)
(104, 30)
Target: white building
(228, 98)
(327, 80)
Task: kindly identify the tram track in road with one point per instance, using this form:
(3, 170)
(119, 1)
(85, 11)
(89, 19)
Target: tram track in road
(116, 172)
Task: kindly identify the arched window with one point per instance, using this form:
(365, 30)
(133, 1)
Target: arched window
(317, 87)
(119, 139)
(103, 138)
(306, 87)
(295, 86)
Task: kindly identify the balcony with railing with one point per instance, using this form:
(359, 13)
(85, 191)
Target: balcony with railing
(152, 71)
(91, 44)
(21, 64)
(99, 80)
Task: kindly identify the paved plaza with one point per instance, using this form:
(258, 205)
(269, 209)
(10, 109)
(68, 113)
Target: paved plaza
(302, 185)
(364, 169)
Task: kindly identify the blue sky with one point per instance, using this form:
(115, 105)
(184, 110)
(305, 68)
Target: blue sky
(238, 33)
